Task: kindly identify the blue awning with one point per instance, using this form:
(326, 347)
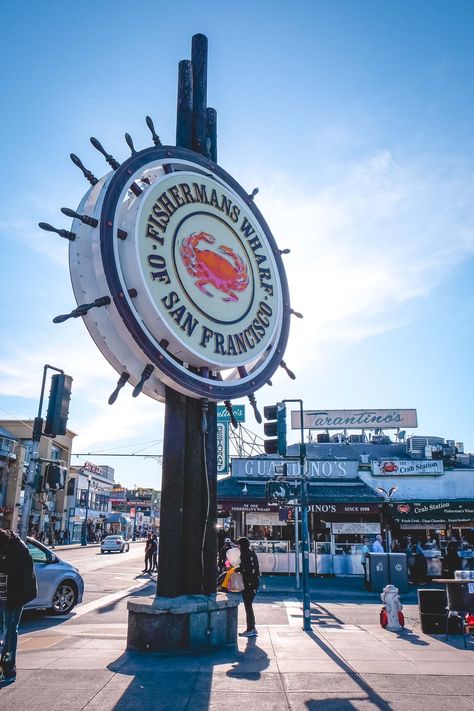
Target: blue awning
(118, 518)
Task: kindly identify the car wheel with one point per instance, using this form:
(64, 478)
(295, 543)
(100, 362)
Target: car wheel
(64, 598)
(102, 552)
(122, 549)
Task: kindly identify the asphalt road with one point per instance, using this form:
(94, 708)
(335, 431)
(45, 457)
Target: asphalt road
(112, 578)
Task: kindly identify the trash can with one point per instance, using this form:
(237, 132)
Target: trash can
(398, 571)
(376, 572)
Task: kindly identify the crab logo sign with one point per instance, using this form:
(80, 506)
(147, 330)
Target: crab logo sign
(197, 289)
(388, 468)
(210, 268)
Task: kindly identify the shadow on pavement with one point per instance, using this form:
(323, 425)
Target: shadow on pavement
(259, 659)
(157, 682)
(140, 592)
(41, 619)
(365, 688)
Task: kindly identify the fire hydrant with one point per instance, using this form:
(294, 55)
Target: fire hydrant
(393, 606)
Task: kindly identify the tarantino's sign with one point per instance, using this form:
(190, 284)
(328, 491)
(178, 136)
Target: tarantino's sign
(208, 269)
(432, 512)
(353, 419)
(223, 414)
(431, 467)
(316, 469)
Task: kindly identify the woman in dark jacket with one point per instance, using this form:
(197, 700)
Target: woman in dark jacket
(17, 587)
(250, 573)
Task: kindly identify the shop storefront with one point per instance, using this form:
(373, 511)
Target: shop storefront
(361, 493)
(434, 524)
(342, 510)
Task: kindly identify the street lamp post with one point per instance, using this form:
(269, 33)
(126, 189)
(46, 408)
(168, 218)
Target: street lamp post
(304, 525)
(84, 527)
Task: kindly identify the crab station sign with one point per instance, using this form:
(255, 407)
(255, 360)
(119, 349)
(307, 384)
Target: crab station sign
(193, 289)
(412, 467)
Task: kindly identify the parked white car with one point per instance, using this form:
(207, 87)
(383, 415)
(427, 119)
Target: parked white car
(60, 585)
(114, 544)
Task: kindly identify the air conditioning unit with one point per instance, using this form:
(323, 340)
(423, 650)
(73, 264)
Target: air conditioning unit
(417, 444)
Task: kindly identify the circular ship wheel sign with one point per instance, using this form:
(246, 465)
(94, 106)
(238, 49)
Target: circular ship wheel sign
(198, 292)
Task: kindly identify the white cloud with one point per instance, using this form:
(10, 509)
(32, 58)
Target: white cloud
(363, 248)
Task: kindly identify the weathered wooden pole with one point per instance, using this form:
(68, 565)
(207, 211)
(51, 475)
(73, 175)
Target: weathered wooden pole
(188, 537)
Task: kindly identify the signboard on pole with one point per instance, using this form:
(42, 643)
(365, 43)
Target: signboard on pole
(353, 419)
(223, 413)
(222, 447)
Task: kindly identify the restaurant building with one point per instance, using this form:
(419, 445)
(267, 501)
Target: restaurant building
(358, 486)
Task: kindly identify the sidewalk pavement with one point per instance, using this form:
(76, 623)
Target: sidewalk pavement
(347, 662)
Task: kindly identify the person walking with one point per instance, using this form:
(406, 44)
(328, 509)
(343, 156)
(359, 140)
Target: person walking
(452, 560)
(148, 555)
(363, 558)
(154, 553)
(17, 587)
(250, 570)
(410, 553)
(377, 546)
(421, 565)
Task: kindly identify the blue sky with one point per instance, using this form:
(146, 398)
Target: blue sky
(355, 121)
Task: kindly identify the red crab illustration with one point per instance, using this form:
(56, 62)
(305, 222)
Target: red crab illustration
(388, 468)
(404, 508)
(210, 268)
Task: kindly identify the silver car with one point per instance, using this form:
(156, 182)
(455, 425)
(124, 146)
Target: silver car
(60, 585)
(114, 544)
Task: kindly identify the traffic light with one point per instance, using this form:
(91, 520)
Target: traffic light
(275, 428)
(55, 477)
(58, 406)
(277, 491)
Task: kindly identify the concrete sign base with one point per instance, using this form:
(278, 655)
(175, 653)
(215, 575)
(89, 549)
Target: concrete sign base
(184, 623)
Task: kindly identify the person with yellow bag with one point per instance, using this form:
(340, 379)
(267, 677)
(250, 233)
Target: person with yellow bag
(229, 580)
(250, 570)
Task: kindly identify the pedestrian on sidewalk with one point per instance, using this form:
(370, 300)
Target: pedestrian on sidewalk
(250, 570)
(148, 555)
(154, 553)
(420, 569)
(17, 587)
(377, 546)
(363, 557)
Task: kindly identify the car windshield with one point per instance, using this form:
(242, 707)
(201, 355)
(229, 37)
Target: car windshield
(112, 538)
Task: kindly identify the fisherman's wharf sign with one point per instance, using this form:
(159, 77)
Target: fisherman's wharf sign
(193, 286)
(209, 273)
